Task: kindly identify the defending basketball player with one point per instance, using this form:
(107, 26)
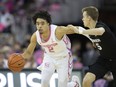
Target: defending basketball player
(104, 41)
(57, 46)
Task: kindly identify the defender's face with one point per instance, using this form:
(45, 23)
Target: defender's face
(42, 25)
(86, 19)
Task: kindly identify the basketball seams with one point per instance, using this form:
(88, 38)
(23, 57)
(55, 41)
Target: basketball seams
(12, 58)
(16, 61)
(22, 64)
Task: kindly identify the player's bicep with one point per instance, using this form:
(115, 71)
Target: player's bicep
(62, 30)
(59, 32)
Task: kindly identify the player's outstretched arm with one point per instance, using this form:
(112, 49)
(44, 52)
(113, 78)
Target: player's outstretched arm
(62, 30)
(30, 49)
(94, 31)
(81, 30)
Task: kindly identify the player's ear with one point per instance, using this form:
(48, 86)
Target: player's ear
(48, 23)
(89, 18)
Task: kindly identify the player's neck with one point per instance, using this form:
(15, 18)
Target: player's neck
(92, 24)
(46, 35)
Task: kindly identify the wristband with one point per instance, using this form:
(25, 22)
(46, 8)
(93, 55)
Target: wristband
(80, 30)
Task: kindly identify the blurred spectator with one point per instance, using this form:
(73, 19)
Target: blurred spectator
(7, 50)
(6, 20)
(76, 46)
(56, 6)
(90, 55)
(20, 28)
(10, 5)
(1, 27)
(38, 56)
(6, 39)
(3, 61)
(109, 78)
(105, 82)
(101, 83)
(30, 63)
(17, 48)
(42, 4)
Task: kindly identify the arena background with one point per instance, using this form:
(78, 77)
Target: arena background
(16, 27)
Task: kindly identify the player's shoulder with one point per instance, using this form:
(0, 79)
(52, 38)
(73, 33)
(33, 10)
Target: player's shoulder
(57, 26)
(101, 24)
(104, 26)
(34, 34)
(53, 26)
(33, 37)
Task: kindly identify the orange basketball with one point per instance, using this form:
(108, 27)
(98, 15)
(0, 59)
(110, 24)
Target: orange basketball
(16, 62)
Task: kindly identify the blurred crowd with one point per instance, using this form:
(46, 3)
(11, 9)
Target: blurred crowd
(16, 28)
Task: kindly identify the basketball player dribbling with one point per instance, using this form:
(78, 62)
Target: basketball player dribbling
(57, 47)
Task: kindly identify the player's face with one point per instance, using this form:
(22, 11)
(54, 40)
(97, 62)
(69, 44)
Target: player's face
(42, 25)
(86, 19)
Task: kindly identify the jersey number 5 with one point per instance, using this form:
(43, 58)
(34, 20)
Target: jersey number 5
(98, 46)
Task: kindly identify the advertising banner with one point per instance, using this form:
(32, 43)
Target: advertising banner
(28, 78)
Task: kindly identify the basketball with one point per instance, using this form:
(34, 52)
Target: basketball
(16, 62)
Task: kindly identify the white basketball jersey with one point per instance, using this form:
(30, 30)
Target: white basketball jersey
(54, 47)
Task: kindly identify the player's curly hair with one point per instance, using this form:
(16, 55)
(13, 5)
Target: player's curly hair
(42, 14)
